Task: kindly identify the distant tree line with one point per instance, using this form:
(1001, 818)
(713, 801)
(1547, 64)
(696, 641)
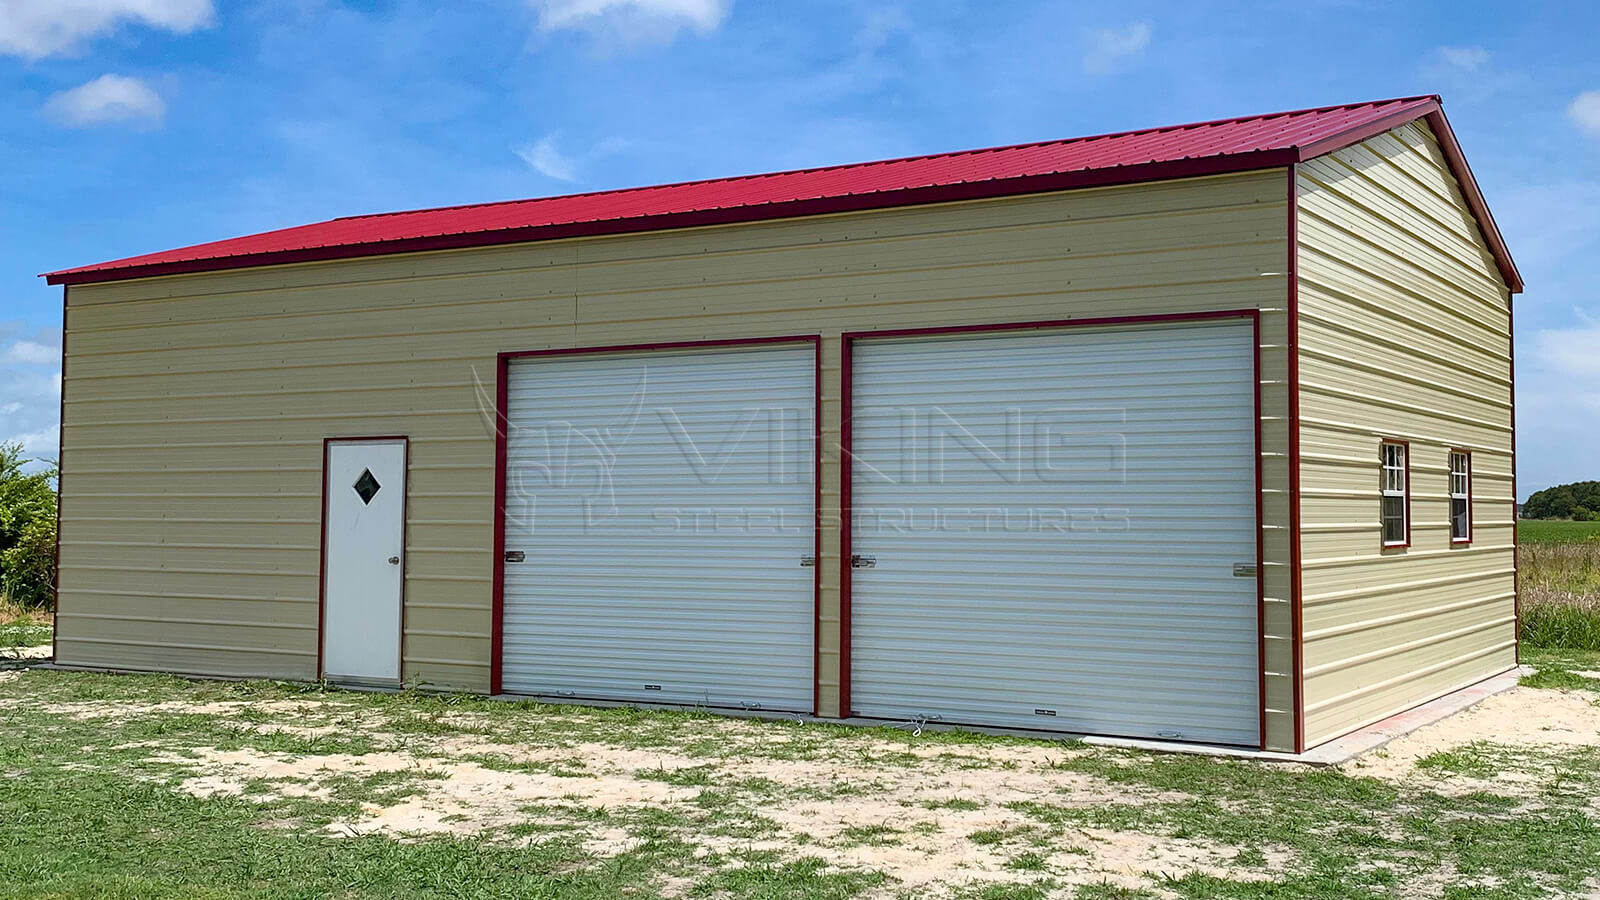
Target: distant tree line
(27, 531)
(1579, 501)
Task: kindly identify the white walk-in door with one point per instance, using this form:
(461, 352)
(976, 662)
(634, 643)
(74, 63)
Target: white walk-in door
(659, 526)
(363, 560)
(1057, 530)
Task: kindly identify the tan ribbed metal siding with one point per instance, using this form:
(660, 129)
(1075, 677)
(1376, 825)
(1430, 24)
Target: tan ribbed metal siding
(196, 405)
(1404, 333)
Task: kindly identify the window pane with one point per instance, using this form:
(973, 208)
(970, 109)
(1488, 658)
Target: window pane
(1458, 519)
(1394, 520)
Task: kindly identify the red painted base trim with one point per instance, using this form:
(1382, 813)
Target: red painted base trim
(501, 438)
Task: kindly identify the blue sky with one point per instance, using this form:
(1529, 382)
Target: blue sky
(138, 125)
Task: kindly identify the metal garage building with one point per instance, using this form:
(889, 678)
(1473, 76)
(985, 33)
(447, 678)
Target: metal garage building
(1200, 433)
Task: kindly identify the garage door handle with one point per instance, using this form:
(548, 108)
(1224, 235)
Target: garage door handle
(857, 561)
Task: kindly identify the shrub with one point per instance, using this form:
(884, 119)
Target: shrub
(28, 569)
(27, 530)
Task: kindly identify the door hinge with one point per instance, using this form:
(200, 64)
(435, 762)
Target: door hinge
(857, 561)
(1244, 570)
(515, 556)
(808, 561)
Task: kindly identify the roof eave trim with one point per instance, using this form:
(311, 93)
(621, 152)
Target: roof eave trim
(942, 193)
(1474, 197)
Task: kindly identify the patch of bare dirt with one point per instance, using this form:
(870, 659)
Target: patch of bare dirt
(1524, 726)
(935, 817)
(814, 808)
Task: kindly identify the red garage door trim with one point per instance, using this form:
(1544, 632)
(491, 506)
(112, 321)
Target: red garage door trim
(846, 405)
(502, 370)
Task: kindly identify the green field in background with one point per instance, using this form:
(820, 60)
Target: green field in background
(1556, 531)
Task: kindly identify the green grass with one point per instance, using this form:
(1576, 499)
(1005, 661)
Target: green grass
(1559, 668)
(1558, 567)
(91, 810)
(16, 635)
(1556, 531)
(22, 627)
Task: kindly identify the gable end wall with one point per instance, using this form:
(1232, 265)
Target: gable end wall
(1404, 333)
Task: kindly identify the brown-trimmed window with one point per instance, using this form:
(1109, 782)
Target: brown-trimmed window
(1460, 497)
(1395, 486)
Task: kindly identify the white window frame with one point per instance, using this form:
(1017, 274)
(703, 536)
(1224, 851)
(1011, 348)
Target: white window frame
(1461, 491)
(1394, 482)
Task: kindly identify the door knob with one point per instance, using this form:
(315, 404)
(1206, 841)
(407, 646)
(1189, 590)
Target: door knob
(394, 560)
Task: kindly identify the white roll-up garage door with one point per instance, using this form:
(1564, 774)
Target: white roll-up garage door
(1061, 527)
(661, 504)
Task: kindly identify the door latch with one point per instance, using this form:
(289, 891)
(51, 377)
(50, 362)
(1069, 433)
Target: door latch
(394, 560)
(857, 561)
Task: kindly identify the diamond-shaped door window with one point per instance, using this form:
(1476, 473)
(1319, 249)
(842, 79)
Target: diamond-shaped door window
(366, 486)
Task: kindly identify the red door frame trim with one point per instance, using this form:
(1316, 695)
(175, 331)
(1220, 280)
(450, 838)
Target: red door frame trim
(322, 540)
(846, 467)
(501, 429)
(846, 461)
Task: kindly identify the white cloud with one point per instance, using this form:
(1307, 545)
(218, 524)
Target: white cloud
(1112, 48)
(34, 29)
(1571, 351)
(32, 353)
(30, 399)
(41, 444)
(633, 21)
(1585, 112)
(1469, 58)
(107, 99)
(548, 160)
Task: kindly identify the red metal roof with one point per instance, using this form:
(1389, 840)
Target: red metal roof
(1202, 148)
